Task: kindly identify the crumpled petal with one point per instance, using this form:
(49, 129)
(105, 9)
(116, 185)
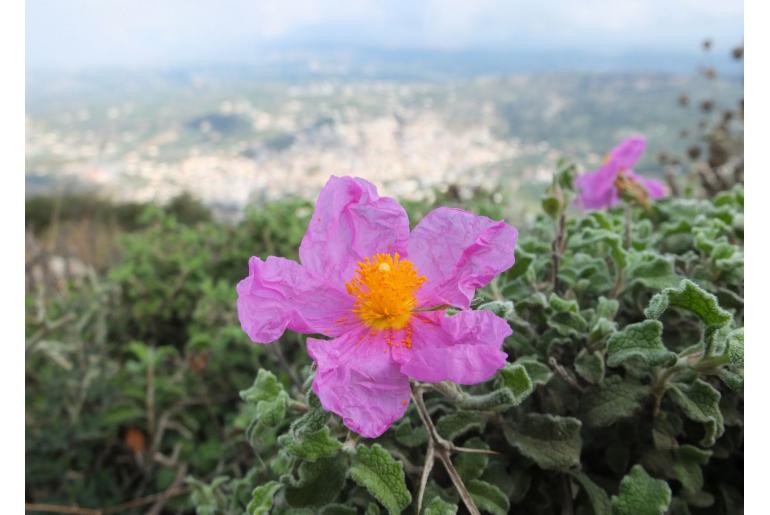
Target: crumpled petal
(357, 379)
(351, 222)
(464, 348)
(280, 294)
(655, 188)
(628, 152)
(597, 189)
(459, 252)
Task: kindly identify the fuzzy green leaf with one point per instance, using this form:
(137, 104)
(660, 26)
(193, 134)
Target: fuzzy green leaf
(552, 442)
(514, 377)
(311, 446)
(600, 501)
(337, 509)
(641, 342)
(488, 497)
(499, 399)
(409, 436)
(590, 366)
(438, 506)
(472, 465)
(651, 270)
(266, 387)
(539, 373)
(641, 494)
(735, 347)
(699, 401)
(262, 498)
(458, 423)
(616, 399)
(687, 467)
(501, 308)
(691, 297)
(319, 482)
(382, 475)
(270, 398)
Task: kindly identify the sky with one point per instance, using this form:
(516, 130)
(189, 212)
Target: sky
(85, 34)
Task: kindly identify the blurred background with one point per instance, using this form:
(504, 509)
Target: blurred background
(166, 142)
(245, 101)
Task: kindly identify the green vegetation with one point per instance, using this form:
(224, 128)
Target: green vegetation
(623, 392)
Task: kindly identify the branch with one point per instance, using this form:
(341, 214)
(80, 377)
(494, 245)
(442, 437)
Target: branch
(441, 449)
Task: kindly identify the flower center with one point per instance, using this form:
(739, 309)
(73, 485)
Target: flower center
(385, 288)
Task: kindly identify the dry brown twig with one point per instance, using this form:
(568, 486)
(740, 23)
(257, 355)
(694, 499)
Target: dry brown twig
(439, 447)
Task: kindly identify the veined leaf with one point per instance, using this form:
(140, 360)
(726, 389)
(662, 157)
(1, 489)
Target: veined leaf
(382, 475)
(641, 342)
(641, 494)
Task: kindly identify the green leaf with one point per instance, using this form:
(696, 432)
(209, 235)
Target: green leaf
(735, 347)
(410, 436)
(639, 342)
(499, 399)
(590, 366)
(458, 423)
(567, 323)
(472, 465)
(521, 265)
(266, 387)
(311, 446)
(488, 497)
(539, 373)
(552, 206)
(600, 501)
(591, 238)
(319, 482)
(312, 421)
(272, 413)
(501, 308)
(607, 308)
(560, 305)
(693, 298)
(382, 475)
(262, 498)
(438, 506)
(338, 509)
(552, 442)
(699, 401)
(651, 270)
(270, 398)
(616, 399)
(515, 378)
(733, 380)
(687, 467)
(641, 494)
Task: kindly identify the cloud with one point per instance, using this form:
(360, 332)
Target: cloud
(141, 32)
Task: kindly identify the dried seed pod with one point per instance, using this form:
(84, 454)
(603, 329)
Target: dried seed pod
(693, 152)
(707, 106)
(738, 53)
(683, 100)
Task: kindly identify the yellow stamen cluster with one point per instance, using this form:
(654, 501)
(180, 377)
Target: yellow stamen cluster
(385, 288)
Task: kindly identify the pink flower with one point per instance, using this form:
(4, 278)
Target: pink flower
(380, 292)
(598, 189)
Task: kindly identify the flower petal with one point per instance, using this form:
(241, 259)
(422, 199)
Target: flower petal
(655, 188)
(280, 294)
(359, 381)
(628, 152)
(351, 222)
(597, 189)
(459, 252)
(464, 348)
